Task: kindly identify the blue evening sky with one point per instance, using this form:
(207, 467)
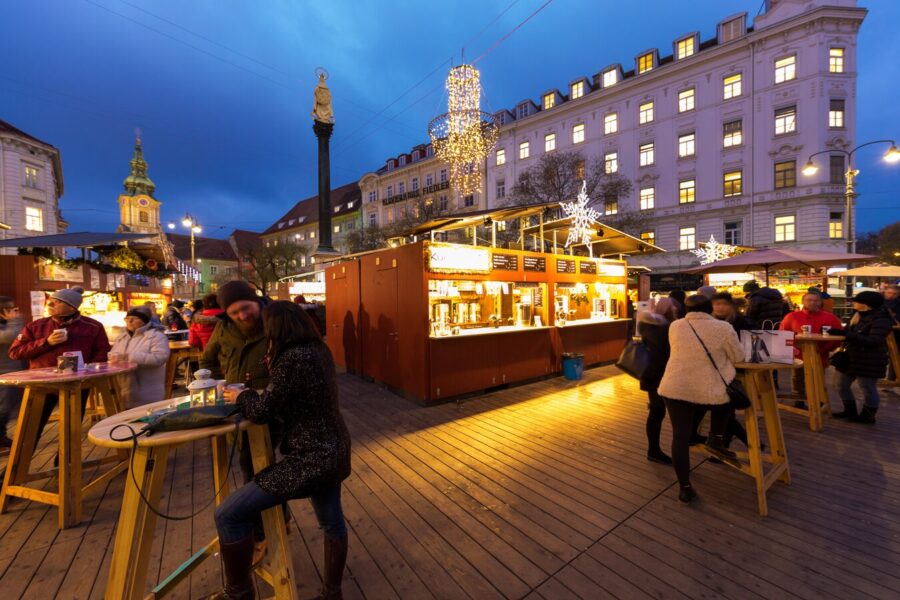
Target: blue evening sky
(222, 89)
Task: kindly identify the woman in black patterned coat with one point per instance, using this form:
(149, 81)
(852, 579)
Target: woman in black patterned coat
(302, 395)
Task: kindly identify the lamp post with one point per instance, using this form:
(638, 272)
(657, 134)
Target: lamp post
(191, 224)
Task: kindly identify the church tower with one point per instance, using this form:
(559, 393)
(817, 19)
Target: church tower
(138, 209)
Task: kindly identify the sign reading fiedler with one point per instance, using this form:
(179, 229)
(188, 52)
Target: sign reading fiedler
(458, 259)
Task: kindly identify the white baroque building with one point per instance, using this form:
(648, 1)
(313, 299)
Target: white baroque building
(31, 183)
(713, 133)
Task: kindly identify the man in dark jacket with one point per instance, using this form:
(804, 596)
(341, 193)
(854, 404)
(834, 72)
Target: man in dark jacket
(10, 325)
(173, 319)
(766, 306)
(866, 347)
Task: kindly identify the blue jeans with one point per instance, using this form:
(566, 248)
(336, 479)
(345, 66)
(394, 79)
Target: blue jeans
(239, 513)
(869, 387)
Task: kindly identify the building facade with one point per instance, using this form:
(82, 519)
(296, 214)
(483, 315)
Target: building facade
(215, 260)
(714, 134)
(31, 184)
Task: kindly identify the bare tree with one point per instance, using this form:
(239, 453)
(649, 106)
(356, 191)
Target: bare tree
(558, 177)
(269, 263)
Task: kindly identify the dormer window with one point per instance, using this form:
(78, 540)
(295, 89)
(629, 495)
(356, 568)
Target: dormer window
(403, 160)
(576, 90)
(415, 156)
(549, 100)
(610, 77)
(390, 164)
(645, 62)
(731, 29)
(684, 48)
(337, 208)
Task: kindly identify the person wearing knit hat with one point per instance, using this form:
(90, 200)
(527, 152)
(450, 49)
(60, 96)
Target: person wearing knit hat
(870, 299)
(235, 291)
(145, 344)
(707, 290)
(71, 296)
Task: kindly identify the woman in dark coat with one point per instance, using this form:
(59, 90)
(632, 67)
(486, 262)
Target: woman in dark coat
(866, 346)
(653, 327)
(315, 448)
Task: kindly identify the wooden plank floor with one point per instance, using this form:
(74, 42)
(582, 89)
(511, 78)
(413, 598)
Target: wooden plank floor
(540, 492)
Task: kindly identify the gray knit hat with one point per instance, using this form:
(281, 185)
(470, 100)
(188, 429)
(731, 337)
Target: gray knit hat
(71, 296)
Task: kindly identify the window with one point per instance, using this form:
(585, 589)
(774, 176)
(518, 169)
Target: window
(31, 177)
(442, 204)
(576, 90)
(686, 191)
(785, 229)
(415, 156)
(373, 219)
(835, 225)
(732, 133)
(610, 123)
(550, 142)
(443, 175)
(685, 48)
(836, 169)
(501, 188)
(686, 100)
(401, 188)
(731, 86)
(143, 217)
(646, 154)
(34, 218)
(522, 111)
(649, 237)
(732, 29)
(645, 112)
(610, 77)
(836, 61)
(645, 62)
(312, 235)
(733, 233)
(578, 133)
(785, 69)
(302, 260)
(786, 120)
(549, 100)
(523, 150)
(611, 207)
(501, 225)
(648, 198)
(836, 113)
(373, 196)
(785, 174)
(469, 200)
(403, 160)
(610, 162)
(687, 238)
(732, 183)
(390, 191)
(337, 228)
(299, 236)
(414, 185)
(501, 157)
(429, 180)
(213, 269)
(686, 145)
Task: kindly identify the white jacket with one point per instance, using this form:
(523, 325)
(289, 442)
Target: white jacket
(689, 375)
(149, 348)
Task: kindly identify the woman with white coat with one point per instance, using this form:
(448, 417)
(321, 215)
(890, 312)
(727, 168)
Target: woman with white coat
(692, 382)
(145, 344)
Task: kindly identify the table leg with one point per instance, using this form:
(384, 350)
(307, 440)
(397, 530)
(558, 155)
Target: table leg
(752, 385)
(814, 376)
(894, 355)
(220, 466)
(69, 456)
(774, 432)
(134, 533)
(24, 442)
(170, 372)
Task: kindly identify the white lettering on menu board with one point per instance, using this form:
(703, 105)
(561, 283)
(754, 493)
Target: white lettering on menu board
(460, 259)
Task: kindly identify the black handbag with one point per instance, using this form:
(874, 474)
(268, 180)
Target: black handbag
(191, 418)
(840, 360)
(737, 395)
(634, 359)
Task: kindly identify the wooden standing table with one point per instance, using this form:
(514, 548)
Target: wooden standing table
(137, 523)
(38, 383)
(179, 351)
(894, 353)
(814, 379)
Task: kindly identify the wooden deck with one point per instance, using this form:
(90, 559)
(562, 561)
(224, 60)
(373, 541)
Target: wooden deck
(541, 491)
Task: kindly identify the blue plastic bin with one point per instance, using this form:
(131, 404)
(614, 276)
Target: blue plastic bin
(573, 365)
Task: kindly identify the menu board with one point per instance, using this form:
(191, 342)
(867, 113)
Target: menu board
(504, 262)
(565, 265)
(534, 263)
(588, 267)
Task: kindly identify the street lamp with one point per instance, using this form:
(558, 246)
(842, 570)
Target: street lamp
(190, 223)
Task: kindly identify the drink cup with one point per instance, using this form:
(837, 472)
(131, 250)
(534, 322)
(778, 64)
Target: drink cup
(115, 357)
(806, 329)
(236, 387)
(826, 329)
(63, 332)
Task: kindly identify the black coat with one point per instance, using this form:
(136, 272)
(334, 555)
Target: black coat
(766, 304)
(866, 343)
(656, 338)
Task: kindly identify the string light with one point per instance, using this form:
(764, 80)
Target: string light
(583, 219)
(713, 251)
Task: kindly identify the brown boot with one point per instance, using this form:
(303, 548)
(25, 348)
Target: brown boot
(236, 558)
(335, 559)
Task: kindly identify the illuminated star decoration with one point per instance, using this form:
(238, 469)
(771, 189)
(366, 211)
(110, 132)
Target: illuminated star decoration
(583, 219)
(713, 251)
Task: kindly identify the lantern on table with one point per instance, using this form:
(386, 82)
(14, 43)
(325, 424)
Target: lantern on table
(203, 389)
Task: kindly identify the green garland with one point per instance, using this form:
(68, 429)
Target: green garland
(122, 260)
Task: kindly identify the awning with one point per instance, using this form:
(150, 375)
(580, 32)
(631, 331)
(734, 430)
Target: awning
(80, 239)
(605, 240)
(479, 218)
(888, 271)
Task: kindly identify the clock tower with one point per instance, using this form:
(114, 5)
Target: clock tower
(138, 209)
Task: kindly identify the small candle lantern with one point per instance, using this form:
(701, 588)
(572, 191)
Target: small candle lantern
(203, 388)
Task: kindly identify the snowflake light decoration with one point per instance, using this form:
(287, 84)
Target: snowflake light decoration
(583, 219)
(713, 251)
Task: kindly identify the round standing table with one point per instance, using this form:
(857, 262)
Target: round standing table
(893, 352)
(814, 378)
(179, 351)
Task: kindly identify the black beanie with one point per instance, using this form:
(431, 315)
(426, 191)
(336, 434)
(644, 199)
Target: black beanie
(234, 291)
(141, 312)
(870, 299)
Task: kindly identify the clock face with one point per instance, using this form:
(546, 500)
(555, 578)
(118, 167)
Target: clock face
(143, 202)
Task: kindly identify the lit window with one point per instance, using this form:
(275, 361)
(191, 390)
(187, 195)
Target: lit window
(686, 145)
(836, 113)
(785, 69)
(34, 218)
(686, 191)
(312, 234)
(835, 225)
(648, 198)
(686, 100)
(687, 238)
(645, 112)
(337, 228)
(836, 61)
(785, 174)
(578, 133)
(576, 90)
(31, 177)
(646, 154)
(523, 150)
(610, 77)
(501, 188)
(443, 175)
(731, 86)
(785, 229)
(732, 133)
(733, 233)
(549, 100)
(645, 62)
(685, 48)
(550, 142)
(501, 157)
(610, 162)
(610, 123)
(649, 237)
(611, 207)
(731, 183)
(786, 120)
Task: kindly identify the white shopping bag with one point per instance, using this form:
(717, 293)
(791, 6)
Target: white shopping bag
(764, 346)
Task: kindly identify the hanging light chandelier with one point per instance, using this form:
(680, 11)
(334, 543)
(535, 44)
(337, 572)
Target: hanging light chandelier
(464, 135)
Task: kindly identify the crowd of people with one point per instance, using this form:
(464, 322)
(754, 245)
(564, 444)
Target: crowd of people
(693, 344)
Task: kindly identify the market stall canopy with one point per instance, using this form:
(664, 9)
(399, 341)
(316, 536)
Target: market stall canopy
(480, 217)
(80, 239)
(781, 258)
(605, 240)
(888, 271)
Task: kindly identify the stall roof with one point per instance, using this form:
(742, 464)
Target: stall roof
(79, 239)
(478, 217)
(612, 241)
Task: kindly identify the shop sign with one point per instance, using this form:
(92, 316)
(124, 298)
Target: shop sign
(53, 272)
(459, 259)
(612, 269)
(37, 304)
(504, 262)
(307, 288)
(587, 267)
(95, 279)
(536, 264)
(565, 265)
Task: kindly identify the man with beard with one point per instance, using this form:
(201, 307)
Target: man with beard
(236, 349)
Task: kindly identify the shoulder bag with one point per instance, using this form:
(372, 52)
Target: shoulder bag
(635, 358)
(737, 395)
